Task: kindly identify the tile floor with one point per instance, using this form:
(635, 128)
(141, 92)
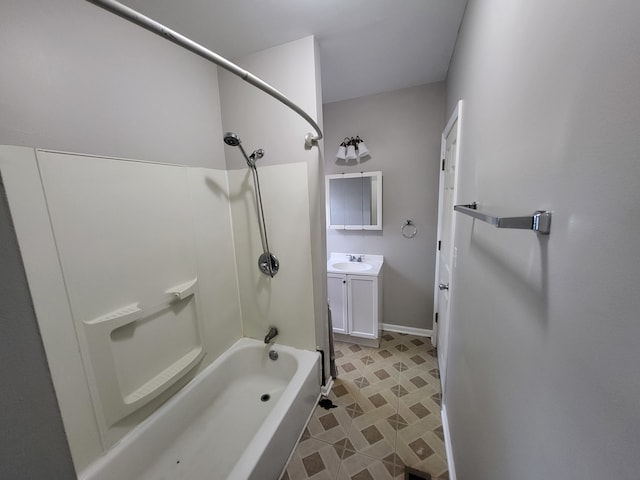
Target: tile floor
(387, 416)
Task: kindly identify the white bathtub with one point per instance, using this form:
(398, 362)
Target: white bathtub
(217, 427)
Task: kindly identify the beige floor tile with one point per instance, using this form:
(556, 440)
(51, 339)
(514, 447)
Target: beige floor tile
(425, 372)
(430, 402)
(354, 350)
(356, 362)
(313, 459)
(349, 369)
(417, 443)
(383, 354)
(372, 434)
(416, 387)
(361, 467)
(381, 371)
(417, 425)
(381, 387)
(420, 378)
(387, 415)
(434, 465)
(436, 443)
(329, 426)
(415, 407)
(343, 392)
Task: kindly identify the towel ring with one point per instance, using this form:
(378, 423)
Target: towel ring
(409, 230)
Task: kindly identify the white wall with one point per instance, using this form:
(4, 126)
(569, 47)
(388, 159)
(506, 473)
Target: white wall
(295, 299)
(543, 370)
(402, 131)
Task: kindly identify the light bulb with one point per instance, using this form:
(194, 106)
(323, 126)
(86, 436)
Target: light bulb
(363, 151)
(351, 152)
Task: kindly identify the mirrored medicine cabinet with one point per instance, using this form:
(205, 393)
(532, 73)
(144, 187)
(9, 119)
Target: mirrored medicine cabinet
(354, 201)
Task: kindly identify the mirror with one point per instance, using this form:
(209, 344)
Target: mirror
(354, 201)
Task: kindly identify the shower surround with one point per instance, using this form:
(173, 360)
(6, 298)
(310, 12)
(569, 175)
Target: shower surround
(138, 284)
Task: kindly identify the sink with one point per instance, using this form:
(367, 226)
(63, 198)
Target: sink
(370, 266)
(351, 266)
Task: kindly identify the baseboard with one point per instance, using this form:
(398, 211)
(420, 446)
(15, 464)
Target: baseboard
(324, 391)
(367, 342)
(447, 444)
(421, 332)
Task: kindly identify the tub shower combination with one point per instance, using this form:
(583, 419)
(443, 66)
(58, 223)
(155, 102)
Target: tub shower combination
(120, 305)
(239, 419)
(147, 387)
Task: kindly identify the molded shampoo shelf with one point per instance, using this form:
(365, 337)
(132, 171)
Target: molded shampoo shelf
(128, 374)
(539, 221)
(117, 318)
(183, 291)
(167, 377)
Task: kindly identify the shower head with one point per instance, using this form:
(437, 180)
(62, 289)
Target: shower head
(231, 139)
(257, 154)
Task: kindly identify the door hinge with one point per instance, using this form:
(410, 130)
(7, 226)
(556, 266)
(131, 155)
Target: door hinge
(436, 319)
(439, 245)
(443, 164)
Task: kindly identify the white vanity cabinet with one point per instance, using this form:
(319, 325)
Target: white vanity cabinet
(355, 300)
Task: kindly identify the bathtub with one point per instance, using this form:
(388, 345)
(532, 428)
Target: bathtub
(239, 419)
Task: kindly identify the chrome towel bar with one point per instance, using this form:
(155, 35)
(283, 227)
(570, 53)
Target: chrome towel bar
(539, 221)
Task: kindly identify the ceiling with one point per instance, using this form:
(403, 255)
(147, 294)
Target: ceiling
(366, 46)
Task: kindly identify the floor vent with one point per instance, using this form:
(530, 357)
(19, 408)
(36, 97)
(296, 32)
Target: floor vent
(411, 474)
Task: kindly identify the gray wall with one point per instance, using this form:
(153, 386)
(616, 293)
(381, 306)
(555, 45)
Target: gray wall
(402, 131)
(32, 440)
(78, 78)
(543, 375)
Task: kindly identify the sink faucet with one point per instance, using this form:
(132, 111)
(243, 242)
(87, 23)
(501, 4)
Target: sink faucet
(273, 331)
(353, 258)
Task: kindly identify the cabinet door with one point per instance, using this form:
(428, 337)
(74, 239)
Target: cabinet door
(337, 292)
(363, 306)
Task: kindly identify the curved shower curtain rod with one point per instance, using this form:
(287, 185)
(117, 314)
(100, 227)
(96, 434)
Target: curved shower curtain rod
(136, 17)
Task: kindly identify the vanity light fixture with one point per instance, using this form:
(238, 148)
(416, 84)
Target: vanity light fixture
(352, 148)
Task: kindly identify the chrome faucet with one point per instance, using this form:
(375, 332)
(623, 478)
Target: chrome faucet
(273, 331)
(353, 258)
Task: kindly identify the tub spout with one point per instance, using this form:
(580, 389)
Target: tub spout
(273, 331)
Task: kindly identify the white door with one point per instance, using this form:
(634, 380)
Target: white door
(445, 248)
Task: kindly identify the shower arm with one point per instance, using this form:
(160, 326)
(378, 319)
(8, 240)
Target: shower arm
(139, 19)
